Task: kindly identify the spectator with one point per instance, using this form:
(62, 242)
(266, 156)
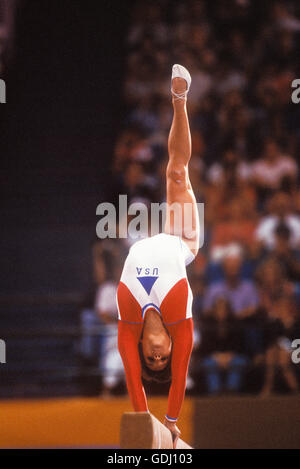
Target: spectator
(271, 284)
(231, 169)
(241, 294)
(283, 18)
(238, 226)
(282, 329)
(274, 166)
(280, 206)
(287, 257)
(111, 364)
(221, 349)
(90, 346)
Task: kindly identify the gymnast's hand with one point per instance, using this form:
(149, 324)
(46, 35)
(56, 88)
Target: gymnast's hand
(174, 430)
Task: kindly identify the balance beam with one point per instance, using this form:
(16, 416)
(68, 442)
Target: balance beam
(141, 430)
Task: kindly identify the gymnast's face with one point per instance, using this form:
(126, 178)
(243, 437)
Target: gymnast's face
(157, 350)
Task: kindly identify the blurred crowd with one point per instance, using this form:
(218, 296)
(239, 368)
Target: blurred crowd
(243, 57)
(7, 26)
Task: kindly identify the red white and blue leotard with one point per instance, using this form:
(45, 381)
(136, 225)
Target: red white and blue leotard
(154, 277)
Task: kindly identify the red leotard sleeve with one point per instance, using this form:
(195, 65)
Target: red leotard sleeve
(182, 336)
(128, 339)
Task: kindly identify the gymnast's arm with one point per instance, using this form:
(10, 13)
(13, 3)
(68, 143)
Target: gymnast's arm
(182, 337)
(128, 339)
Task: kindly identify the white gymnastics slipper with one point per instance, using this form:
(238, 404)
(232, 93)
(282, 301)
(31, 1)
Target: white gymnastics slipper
(178, 71)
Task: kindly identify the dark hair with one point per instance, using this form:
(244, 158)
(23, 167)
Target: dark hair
(283, 231)
(159, 376)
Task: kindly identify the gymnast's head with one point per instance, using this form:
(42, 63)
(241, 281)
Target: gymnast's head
(155, 349)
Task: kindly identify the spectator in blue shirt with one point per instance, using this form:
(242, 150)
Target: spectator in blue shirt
(241, 294)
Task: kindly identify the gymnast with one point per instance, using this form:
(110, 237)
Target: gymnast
(155, 327)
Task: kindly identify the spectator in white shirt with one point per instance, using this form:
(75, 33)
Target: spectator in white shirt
(269, 171)
(281, 211)
(111, 364)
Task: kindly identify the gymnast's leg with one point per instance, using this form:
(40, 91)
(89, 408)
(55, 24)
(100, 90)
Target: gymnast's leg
(179, 190)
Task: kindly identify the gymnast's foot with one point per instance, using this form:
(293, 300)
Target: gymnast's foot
(181, 82)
